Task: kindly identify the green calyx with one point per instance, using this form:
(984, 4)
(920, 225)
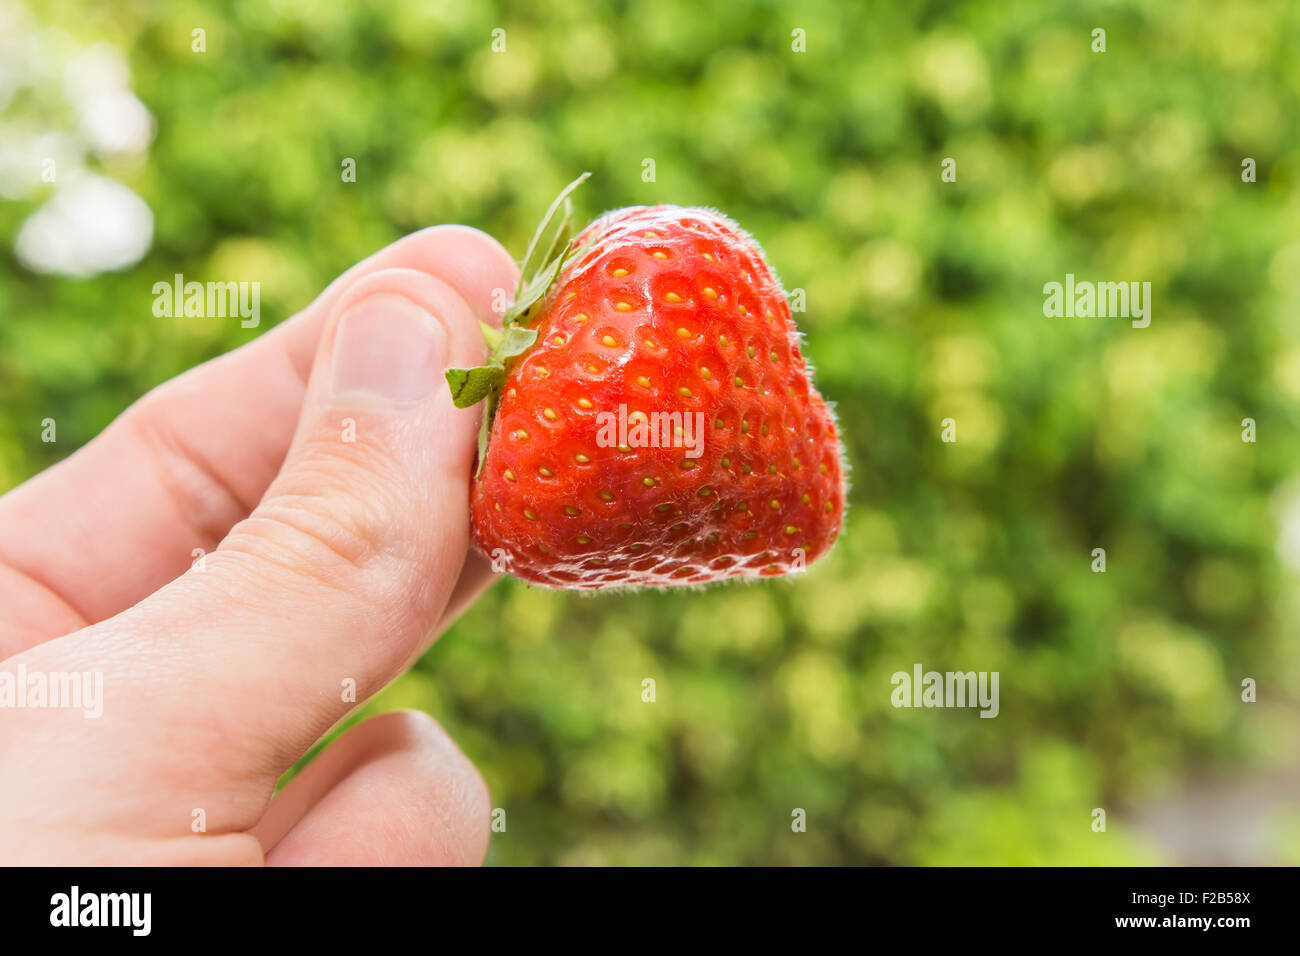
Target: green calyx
(547, 256)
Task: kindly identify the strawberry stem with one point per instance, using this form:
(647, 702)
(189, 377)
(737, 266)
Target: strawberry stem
(545, 258)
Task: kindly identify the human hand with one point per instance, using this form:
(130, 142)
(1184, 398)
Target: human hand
(329, 469)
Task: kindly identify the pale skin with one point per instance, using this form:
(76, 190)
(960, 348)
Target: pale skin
(326, 560)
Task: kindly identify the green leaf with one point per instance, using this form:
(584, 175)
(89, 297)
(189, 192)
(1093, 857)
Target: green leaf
(491, 334)
(514, 343)
(484, 431)
(578, 253)
(469, 386)
(563, 235)
(521, 310)
(535, 292)
(538, 246)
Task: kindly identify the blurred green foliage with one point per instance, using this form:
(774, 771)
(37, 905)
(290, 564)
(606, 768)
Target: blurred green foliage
(924, 303)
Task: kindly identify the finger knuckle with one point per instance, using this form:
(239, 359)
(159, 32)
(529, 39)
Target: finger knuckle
(339, 522)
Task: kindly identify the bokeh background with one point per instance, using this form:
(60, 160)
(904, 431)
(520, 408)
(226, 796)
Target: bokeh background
(1119, 690)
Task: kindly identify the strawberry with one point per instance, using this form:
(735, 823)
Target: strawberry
(650, 418)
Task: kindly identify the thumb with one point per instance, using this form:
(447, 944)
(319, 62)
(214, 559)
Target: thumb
(342, 571)
(376, 481)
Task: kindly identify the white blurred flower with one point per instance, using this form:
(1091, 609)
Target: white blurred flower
(25, 148)
(91, 224)
(97, 83)
(1288, 536)
(116, 122)
(17, 40)
(94, 70)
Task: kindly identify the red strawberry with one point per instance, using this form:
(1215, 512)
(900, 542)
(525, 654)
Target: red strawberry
(723, 461)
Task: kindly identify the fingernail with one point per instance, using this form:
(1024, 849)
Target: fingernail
(389, 348)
